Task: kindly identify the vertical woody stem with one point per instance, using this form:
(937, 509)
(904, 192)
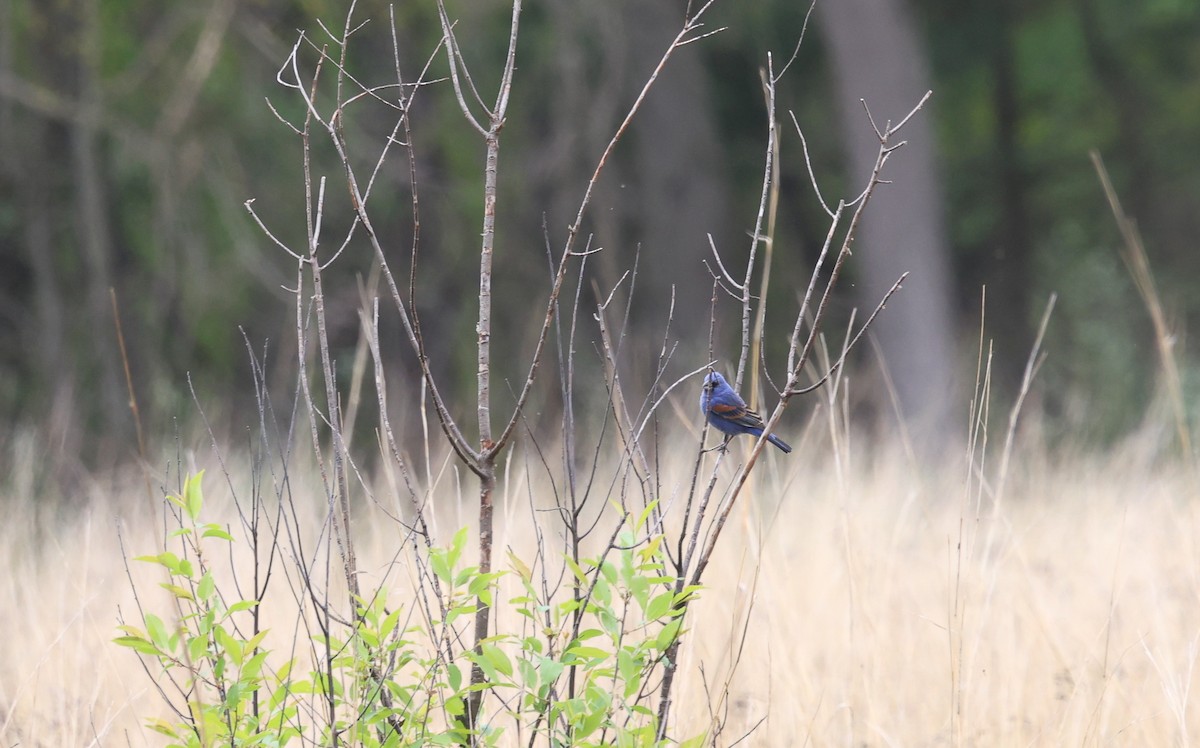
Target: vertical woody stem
(484, 329)
(487, 448)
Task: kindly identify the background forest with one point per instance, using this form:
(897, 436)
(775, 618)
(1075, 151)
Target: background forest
(132, 132)
(429, 470)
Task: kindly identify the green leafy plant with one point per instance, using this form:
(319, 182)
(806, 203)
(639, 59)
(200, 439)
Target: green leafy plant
(201, 649)
(615, 629)
(581, 675)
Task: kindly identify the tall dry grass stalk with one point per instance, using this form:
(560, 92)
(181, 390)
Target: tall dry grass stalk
(1137, 262)
(826, 618)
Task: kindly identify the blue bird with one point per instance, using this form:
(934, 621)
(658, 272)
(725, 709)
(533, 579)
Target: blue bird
(727, 411)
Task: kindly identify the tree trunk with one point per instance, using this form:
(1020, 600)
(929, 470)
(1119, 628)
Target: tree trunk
(877, 57)
(678, 170)
(1009, 304)
(95, 233)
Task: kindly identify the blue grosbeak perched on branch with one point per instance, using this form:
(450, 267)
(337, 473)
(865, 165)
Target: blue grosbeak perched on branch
(727, 411)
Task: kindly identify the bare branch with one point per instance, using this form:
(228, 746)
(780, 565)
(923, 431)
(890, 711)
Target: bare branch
(910, 115)
(510, 64)
(454, 57)
(457, 440)
(703, 36)
(796, 50)
(812, 178)
(547, 321)
(852, 343)
(249, 204)
(802, 314)
(878, 133)
(768, 177)
(689, 25)
(721, 265)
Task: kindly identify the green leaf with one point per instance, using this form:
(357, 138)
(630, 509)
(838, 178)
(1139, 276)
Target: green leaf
(489, 670)
(253, 666)
(519, 566)
(206, 587)
(165, 559)
(576, 570)
(598, 697)
(627, 666)
(550, 670)
(213, 531)
(588, 634)
(611, 624)
(659, 606)
(529, 673)
(253, 642)
(641, 520)
(205, 623)
(197, 648)
(498, 659)
(138, 644)
(589, 724)
(158, 632)
(587, 653)
(369, 638)
(457, 545)
(639, 586)
(631, 669)
(233, 697)
(228, 643)
(478, 582)
(180, 592)
(162, 726)
(193, 497)
(609, 571)
(689, 592)
(667, 635)
(241, 605)
(652, 547)
(440, 562)
(602, 593)
(389, 624)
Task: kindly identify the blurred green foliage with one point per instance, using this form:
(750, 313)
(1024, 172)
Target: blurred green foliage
(1023, 92)
(1120, 78)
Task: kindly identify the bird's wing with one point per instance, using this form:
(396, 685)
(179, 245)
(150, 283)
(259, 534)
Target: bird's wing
(738, 414)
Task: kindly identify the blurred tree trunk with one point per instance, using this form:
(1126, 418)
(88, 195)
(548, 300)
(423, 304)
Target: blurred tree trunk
(591, 93)
(680, 195)
(667, 184)
(1008, 277)
(877, 56)
(93, 231)
(665, 188)
(1126, 94)
(31, 144)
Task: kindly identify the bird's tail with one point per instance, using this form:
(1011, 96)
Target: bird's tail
(783, 446)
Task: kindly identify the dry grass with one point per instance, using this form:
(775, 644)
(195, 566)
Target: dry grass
(872, 605)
